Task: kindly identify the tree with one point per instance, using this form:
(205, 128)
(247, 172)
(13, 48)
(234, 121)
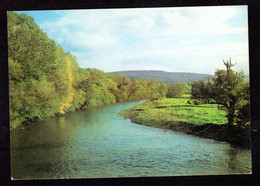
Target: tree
(67, 102)
(133, 88)
(153, 90)
(229, 90)
(243, 113)
(202, 90)
(120, 92)
(163, 89)
(228, 86)
(175, 90)
(32, 65)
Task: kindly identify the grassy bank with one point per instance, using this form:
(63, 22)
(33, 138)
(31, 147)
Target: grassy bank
(204, 120)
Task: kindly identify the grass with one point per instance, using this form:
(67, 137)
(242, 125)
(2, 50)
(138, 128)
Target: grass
(176, 110)
(204, 120)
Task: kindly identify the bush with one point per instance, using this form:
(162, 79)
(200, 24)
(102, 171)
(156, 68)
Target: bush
(196, 102)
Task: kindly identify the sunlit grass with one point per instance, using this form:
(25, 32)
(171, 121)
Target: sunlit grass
(177, 109)
(186, 95)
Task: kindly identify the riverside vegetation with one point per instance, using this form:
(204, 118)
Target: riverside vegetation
(218, 108)
(44, 81)
(204, 120)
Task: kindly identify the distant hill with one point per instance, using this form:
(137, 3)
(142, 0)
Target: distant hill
(164, 77)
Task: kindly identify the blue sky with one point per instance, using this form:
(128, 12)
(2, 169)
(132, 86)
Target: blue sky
(194, 39)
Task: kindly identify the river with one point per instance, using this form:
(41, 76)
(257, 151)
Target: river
(100, 143)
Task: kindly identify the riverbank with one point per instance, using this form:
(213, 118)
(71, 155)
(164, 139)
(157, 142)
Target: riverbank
(98, 143)
(204, 120)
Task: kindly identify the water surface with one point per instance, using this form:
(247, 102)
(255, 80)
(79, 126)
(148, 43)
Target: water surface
(100, 143)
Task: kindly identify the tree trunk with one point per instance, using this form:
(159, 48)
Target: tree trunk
(230, 120)
(231, 114)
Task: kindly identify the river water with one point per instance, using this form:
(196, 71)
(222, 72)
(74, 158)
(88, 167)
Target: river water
(100, 143)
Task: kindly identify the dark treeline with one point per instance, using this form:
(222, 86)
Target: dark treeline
(44, 80)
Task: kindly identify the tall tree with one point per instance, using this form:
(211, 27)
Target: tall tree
(228, 86)
(67, 102)
(229, 90)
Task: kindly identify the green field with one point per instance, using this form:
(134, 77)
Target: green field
(175, 110)
(204, 120)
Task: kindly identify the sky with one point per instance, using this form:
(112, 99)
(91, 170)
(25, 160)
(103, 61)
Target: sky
(180, 39)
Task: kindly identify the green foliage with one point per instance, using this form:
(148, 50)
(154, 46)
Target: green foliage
(202, 90)
(176, 110)
(153, 90)
(196, 102)
(120, 91)
(31, 57)
(44, 80)
(29, 46)
(175, 90)
(228, 89)
(135, 89)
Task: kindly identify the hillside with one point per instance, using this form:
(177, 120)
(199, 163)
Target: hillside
(165, 77)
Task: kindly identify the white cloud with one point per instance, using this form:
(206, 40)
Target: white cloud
(200, 59)
(147, 22)
(133, 38)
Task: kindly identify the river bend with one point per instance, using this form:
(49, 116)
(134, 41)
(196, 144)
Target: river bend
(100, 143)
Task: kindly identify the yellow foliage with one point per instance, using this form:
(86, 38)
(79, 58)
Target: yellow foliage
(69, 99)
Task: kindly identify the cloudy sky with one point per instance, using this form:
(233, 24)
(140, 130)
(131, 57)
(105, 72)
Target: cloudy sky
(194, 39)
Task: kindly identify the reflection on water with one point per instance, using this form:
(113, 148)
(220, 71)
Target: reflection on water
(236, 157)
(232, 153)
(99, 143)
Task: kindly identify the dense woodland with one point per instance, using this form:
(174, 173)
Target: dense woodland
(44, 80)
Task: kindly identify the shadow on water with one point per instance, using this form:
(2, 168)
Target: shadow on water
(232, 158)
(236, 157)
